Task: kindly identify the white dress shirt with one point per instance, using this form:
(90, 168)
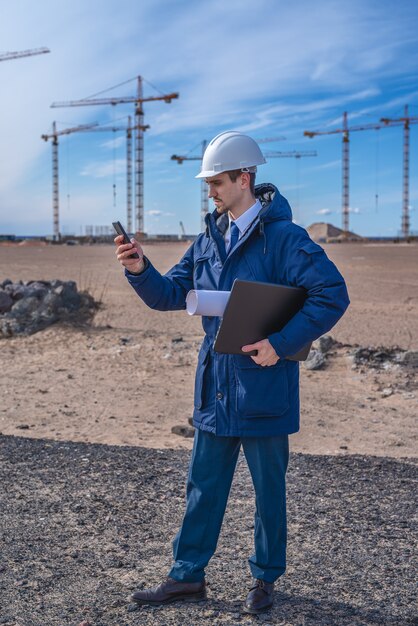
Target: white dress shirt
(243, 221)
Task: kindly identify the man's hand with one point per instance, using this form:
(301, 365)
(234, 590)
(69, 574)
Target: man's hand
(266, 354)
(123, 252)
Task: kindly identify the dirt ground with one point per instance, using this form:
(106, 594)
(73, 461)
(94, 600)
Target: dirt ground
(128, 379)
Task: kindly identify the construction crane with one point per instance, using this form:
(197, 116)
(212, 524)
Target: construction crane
(270, 139)
(345, 131)
(406, 121)
(183, 231)
(90, 128)
(129, 130)
(138, 100)
(292, 153)
(55, 177)
(9, 56)
(272, 154)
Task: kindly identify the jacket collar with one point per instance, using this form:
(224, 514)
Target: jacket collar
(275, 207)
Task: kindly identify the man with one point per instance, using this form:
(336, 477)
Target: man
(240, 400)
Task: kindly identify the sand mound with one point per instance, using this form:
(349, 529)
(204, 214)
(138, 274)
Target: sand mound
(322, 232)
(32, 243)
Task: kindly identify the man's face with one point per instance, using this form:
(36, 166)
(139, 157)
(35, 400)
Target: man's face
(225, 193)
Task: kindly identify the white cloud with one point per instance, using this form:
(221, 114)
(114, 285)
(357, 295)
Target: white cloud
(157, 213)
(154, 212)
(104, 168)
(324, 212)
(115, 142)
(330, 165)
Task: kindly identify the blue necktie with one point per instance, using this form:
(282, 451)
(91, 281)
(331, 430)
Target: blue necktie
(233, 236)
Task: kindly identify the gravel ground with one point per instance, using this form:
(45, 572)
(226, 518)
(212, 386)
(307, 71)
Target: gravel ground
(84, 524)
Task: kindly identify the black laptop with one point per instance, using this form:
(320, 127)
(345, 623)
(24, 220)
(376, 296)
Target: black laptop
(256, 310)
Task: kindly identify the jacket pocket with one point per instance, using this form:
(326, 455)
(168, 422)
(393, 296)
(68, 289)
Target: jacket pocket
(206, 272)
(311, 248)
(260, 391)
(201, 374)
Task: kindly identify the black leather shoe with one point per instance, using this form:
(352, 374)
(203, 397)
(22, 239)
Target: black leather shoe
(260, 597)
(171, 591)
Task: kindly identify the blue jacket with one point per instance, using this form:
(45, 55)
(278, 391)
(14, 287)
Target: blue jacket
(233, 395)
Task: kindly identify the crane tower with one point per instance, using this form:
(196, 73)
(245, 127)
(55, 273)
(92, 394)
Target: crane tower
(138, 100)
(345, 132)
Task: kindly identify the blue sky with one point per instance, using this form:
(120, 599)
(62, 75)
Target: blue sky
(268, 68)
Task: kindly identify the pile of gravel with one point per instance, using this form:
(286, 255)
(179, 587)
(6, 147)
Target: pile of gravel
(379, 358)
(83, 525)
(26, 308)
(384, 358)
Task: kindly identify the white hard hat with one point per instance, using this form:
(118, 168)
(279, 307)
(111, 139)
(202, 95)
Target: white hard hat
(228, 151)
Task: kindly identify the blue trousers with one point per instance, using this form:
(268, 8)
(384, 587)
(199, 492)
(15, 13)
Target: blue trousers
(209, 481)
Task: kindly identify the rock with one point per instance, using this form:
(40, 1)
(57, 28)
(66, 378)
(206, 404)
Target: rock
(6, 302)
(40, 319)
(69, 294)
(17, 291)
(210, 613)
(56, 283)
(315, 360)
(44, 312)
(25, 306)
(409, 358)
(388, 391)
(324, 343)
(52, 301)
(10, 327)
(28, 308)
(37, 289)
(6, 282)
(183, 431)
(42, 283)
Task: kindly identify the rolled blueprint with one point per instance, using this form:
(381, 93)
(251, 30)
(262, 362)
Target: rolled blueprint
(202, 302)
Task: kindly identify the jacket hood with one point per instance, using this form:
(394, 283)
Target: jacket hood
(275, 206)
